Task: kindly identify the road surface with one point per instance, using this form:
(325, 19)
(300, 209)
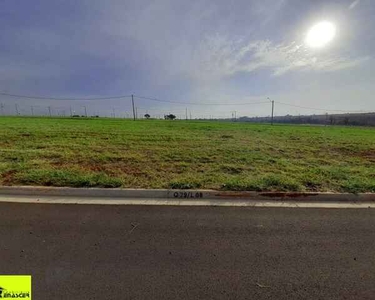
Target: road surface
(154, 252)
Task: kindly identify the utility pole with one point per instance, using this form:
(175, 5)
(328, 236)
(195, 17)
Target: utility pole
(186, 115)
(2, 109)
(71, 113)
(273, 106)
(85, 111)
(32, 110)
(133, 107)
(114, 114)
(17, 109)
(49, 109)
(190, 115)
(136, 112)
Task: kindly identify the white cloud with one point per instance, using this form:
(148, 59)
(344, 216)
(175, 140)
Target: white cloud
(168, 41)
(354, 4)
(170, 48)
(219, 57)
(170, 36)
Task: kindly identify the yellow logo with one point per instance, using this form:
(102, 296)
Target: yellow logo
(15, 286)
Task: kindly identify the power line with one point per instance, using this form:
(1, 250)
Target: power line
(161, 110)
(175, 102)
(321, 109)
(126, 96)
(197, 103)
(54, 98)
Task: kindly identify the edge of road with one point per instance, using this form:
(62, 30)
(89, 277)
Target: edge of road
(179, 195)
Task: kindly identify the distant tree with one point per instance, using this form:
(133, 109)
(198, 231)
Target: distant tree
(170, 117)
(147, 116)
(359, 119)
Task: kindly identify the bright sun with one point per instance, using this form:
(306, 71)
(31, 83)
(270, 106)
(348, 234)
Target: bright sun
(320, 34)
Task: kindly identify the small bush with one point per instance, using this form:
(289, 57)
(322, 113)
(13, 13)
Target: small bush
(242, 185)
(67, 178)
(184, 184)
(356, 186)
(266, 183)
(280, 183)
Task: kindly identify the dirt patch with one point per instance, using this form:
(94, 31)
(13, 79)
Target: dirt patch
(115, 169)
(8, 177)
(364, 154)
(368, 155)
(344, 150)
(96, 168)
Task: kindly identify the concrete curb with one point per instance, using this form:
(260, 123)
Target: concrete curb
(182, 194)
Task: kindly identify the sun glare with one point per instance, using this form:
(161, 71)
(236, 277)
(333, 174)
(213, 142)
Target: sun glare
(320, 34)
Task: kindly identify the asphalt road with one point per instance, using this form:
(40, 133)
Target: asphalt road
(142, 252)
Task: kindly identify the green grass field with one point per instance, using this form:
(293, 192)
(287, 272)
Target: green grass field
(180, 154)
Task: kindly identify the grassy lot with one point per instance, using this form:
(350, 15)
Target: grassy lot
(180, 154)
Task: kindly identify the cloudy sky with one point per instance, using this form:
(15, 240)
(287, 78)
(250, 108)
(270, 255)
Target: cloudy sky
(194, 52)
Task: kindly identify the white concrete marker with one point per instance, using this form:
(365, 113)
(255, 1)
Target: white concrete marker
(173, 202)
(182, 195)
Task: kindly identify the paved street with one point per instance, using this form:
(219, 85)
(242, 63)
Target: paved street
(152, 252)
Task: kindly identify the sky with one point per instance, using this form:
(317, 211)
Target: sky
(200, 53)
